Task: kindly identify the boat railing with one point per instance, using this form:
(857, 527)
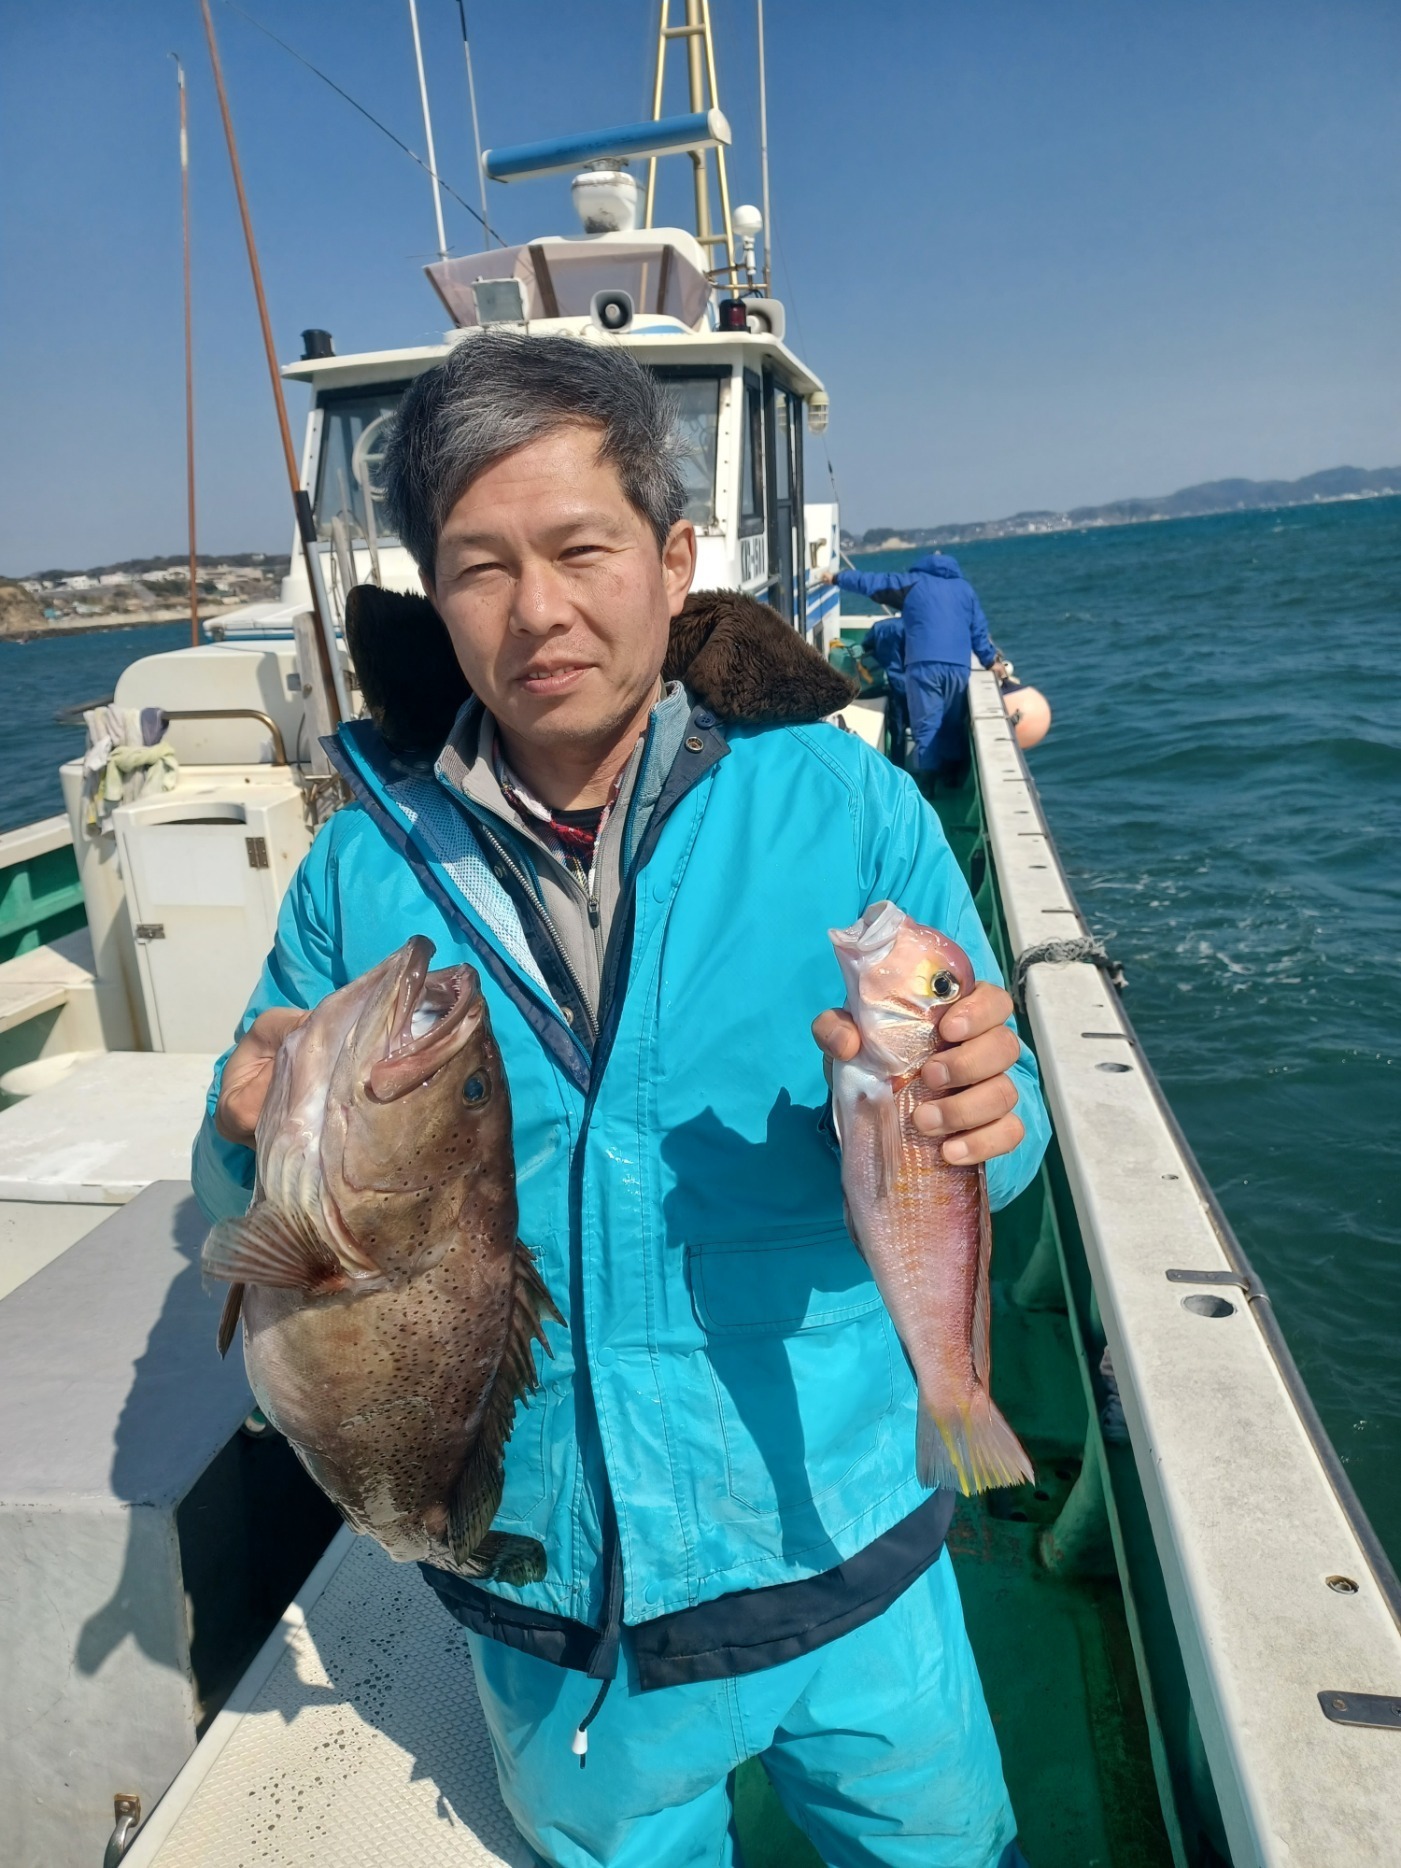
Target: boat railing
(1245, 1530)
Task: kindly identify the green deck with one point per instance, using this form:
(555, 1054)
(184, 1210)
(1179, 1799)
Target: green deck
(1081, 1669)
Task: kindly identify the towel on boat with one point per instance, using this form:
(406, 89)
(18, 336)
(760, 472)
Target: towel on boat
(128, 756)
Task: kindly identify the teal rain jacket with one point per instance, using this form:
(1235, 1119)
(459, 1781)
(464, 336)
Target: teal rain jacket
(729, 1388)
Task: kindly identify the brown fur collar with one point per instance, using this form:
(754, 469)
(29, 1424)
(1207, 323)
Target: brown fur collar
(738, 657)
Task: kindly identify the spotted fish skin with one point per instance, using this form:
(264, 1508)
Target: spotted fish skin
(389, 1311)
(922, 1223)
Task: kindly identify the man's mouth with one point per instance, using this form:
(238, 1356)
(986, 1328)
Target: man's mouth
(556, 679)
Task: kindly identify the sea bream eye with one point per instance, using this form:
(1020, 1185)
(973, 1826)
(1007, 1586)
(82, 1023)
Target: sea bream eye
(944, 986)
(475, 1090)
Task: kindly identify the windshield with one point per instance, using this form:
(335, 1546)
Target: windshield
(346, 416)
(697, 400)
(344, 419)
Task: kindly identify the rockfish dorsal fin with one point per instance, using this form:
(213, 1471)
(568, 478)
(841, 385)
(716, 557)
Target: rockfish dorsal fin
(477, 1494)
(271, 1247)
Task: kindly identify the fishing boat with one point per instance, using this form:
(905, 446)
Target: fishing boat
(1189, 1635)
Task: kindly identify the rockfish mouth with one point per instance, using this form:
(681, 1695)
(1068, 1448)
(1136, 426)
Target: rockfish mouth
(432, 1014)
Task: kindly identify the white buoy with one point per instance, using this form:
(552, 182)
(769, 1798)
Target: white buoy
(1030, 714)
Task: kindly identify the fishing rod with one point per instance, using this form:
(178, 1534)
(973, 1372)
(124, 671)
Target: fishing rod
(369, 117)
(189, 353)
(428, 131)
(328, 661)
(472, 100)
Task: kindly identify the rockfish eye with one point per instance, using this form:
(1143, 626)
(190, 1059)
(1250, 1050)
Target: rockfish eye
(475, 1090)
(944, 986)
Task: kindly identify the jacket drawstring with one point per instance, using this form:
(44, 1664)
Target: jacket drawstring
(603, 1662)
(579, 1744)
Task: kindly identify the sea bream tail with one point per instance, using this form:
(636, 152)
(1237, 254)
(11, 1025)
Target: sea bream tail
(968, 1448)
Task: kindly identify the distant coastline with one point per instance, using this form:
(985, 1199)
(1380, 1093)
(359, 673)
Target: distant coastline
(133, 593)
(1212, 497)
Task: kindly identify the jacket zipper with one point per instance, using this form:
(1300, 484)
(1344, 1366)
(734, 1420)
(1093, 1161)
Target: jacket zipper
(547, 922)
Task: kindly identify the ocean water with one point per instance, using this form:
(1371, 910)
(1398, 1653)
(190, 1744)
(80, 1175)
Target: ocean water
(39, 677)
(1224, 784)
(1223, 780)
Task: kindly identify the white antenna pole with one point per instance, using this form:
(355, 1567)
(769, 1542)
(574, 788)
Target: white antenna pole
(472, 99)
(764, 153)
(428, 133)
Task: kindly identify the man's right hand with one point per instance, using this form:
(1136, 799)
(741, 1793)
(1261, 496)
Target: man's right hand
(249, 1072)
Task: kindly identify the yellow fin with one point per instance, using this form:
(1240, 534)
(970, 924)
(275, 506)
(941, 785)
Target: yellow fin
(969, 1450)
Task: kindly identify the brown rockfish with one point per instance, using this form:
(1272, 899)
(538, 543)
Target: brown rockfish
(388, 1307)
(922, 1224)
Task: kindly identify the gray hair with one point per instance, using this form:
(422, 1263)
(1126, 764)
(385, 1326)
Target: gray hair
(497, 392)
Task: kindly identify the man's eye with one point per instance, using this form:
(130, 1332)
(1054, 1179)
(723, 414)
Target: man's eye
(580, 551)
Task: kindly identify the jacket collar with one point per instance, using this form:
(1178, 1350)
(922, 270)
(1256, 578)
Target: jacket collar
(738, 658)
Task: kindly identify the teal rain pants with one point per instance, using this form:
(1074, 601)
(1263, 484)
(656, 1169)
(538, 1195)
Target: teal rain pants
(879, 1745)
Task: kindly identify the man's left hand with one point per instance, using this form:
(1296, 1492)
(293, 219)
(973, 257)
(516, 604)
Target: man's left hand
(977, 1097)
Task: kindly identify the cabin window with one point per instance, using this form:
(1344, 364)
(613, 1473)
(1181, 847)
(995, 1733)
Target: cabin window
(751, 488)
(345, 415)
(697, 400)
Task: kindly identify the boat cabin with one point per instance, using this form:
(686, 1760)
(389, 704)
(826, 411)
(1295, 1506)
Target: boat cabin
(744, 401)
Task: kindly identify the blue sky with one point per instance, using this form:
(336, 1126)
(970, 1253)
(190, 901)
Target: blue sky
(1041, 255)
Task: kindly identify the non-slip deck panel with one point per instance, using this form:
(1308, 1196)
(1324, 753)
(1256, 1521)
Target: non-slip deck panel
(355, 1737)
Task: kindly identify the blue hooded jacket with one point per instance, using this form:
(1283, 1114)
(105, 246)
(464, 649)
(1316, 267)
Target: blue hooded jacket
(886, 645)
(943, 618)
(727, 1406)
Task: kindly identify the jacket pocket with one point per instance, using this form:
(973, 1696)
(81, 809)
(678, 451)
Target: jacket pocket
(803, 1373)
(758, 1286)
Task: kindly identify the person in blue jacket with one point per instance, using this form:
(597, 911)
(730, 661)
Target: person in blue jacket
(623, 809)
(885, 644)
(944, 626)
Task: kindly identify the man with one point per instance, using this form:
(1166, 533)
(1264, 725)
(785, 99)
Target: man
(943, 625)
(720, 1464)
(885, 644)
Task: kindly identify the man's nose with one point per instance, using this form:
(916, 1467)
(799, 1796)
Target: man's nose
(541, 601)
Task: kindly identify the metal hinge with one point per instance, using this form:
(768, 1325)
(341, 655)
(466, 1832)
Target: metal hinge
(1249, 1284)
(1381, 1710)
(257, 852)
(150, 930)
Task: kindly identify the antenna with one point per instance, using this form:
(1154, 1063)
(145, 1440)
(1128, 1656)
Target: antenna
(472, 100)
(700, 72)
(764, 153)
(189, 352)
(428, 133)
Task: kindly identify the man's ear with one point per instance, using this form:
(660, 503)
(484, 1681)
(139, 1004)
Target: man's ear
(678, 564)
(428, 590)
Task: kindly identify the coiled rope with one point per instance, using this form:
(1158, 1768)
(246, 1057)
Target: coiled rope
(1061, 953)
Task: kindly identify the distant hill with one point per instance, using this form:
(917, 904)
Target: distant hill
(1192, 502)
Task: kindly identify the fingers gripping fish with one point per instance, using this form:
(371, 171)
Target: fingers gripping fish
(922, 1224)
(388, 1307)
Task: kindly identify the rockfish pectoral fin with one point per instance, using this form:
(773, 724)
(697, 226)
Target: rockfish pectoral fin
(229, 1316)
(274, 1248)
(969, 1447)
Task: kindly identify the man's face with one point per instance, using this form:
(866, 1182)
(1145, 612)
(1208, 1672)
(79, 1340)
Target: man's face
(555, 595)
